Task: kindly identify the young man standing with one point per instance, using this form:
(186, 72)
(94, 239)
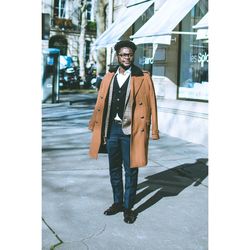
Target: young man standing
(121, 120)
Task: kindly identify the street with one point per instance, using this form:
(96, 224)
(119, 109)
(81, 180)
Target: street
(172, 196)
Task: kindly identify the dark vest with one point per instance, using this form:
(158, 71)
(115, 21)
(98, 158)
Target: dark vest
(118, 99)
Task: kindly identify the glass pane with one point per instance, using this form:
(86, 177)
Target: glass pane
(193, 76)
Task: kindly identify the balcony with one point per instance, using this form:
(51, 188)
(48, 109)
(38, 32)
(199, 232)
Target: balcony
(63, 24)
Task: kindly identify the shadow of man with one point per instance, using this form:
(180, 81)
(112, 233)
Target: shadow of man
(171, 182)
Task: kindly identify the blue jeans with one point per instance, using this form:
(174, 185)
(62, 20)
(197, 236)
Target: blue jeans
(118, 147)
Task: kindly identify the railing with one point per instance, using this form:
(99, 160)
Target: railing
(64, 24)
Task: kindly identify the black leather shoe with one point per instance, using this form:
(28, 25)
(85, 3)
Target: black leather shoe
(114, 209)
(129, 216)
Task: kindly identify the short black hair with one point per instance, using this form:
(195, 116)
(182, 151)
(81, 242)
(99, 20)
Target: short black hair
(125, 43)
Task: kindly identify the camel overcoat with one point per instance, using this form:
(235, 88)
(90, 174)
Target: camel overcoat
(144, 110)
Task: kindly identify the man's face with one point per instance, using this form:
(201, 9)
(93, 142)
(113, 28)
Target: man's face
(125, 57)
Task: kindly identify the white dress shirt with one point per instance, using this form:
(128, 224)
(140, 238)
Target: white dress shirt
(121, 78)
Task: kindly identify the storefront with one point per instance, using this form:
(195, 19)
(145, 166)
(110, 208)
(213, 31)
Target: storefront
(175, 41)
(174, 48)
(193, 71)
(177, 51)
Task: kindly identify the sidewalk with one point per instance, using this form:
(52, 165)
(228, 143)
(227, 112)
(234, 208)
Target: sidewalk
(171, 199)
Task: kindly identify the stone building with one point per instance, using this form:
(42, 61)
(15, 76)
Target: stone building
(70, 26)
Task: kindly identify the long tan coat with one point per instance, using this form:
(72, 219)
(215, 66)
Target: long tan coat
(144, 109)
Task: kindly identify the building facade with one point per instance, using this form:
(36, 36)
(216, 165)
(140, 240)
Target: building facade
(172, 44)
(70, 26)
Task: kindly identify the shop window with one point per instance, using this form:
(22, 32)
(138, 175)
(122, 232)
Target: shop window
(159, 63)
(160, 54)
(159, 70)
(193, 71)
(143, 55)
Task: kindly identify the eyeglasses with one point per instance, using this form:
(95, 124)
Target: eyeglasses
(126, 55)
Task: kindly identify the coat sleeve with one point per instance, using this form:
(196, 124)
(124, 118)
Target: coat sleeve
(153, 106)
(93, 118)
(92, 121)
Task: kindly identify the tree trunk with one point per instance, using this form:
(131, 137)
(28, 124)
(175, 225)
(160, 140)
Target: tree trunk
(101, 25)
(82, 41)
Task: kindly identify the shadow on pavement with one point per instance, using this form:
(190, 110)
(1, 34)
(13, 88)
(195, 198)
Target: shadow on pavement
(171, 182)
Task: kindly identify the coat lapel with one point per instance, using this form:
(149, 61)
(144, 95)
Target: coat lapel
(136, 82)
(107, 83)
(136, 79)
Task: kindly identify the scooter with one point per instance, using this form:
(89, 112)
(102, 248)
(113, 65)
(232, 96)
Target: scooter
(90, 79)
(69, 78)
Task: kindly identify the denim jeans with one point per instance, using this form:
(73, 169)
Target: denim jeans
(118, 147)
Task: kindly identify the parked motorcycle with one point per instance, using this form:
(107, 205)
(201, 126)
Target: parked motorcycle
(90, 77)
(69, 75)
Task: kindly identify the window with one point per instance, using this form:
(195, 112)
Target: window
(143, 54)
(193, 73)
(87, 52)
(88, 9)
(67, 15)
(59, 8)
(160, 58)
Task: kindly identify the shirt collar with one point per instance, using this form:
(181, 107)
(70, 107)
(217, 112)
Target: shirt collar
(127, 72)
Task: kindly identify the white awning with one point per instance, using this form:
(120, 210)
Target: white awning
(133, 2)
(203, 23)
(159, 27)
(121, 25)
(202, 28)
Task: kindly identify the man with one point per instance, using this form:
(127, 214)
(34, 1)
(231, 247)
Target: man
(121, 121)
